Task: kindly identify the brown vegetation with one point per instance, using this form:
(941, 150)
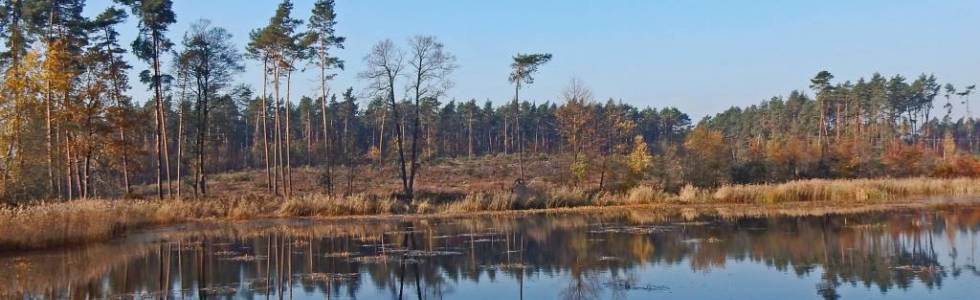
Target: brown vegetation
(44, 225)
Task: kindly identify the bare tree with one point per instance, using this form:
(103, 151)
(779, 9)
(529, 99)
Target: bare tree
(575, 116)
(431, 66)
(385, 63)
(212, 61)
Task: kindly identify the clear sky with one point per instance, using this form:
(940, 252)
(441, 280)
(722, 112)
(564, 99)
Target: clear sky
(700, 56)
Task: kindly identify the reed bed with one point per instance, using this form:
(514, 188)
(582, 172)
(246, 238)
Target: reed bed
(329, 206)
(53, 224)
(855, 190)
(50, 224)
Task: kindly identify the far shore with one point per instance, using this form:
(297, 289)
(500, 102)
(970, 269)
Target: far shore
(47, 225)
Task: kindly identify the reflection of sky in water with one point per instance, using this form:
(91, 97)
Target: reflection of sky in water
(629, 255)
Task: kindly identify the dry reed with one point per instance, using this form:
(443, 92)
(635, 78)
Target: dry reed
(49, 224)
(856, 190)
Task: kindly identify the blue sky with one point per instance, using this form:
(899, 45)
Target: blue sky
(700, 56)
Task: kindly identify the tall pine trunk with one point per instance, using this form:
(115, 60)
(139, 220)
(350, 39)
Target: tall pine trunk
(163, 162)
(517, 124)
(68, 181)
(278, 143)
(289, 169)
(323, 105)
(308, 131)
(180, 143)
(265, 130)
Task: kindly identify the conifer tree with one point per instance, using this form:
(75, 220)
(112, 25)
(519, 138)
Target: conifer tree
(522, 71)
(322, 39)
(155, 17)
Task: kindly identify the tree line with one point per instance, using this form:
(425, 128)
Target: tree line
(69, 127)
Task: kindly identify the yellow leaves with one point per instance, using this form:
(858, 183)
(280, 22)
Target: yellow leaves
(707, 144)
(22, 81)
(18, 106)
(57, 73)
(639, 160)
(709, 157)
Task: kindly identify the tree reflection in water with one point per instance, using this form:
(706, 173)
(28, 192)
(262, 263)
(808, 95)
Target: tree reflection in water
(617, 255)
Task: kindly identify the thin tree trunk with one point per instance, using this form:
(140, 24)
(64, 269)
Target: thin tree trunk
(348, 153)
(381, 138)
(837, 123)
(265, 130)
(180, 143)
(77, 169)
(87, 173)
(47, 112)
(399, 135)
(203, 128)
(166, 150)
(68, 178)
(506, 141)
(309, 137)
(323, 109)
(159, 116)
(278, 128)
(289, 169)
(48, 136)
(517, 123)
(116, 93)
(469, 135)
(125, 162)
(415, 141)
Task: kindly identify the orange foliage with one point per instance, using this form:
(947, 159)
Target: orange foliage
(958, 166)
(902, 159)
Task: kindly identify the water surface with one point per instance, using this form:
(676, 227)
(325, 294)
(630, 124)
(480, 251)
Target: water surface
(618, 254)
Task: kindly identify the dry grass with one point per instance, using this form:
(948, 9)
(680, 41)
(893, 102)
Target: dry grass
(328, 206)
(859, 190)
(43, 225)
(52, 224)
(645, 195)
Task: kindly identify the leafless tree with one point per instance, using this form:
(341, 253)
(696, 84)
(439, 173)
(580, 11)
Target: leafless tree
(431, 66)
(385, 63)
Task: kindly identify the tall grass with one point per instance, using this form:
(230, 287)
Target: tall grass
(327, 205)
(43, 225)
(845, 190)
(52, 224)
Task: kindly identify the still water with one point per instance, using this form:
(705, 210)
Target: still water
(620, 254)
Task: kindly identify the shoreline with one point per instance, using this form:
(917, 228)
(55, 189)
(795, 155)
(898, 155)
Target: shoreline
(82, 222)
(688, 211)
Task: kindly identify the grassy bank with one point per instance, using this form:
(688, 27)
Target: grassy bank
(51, 224)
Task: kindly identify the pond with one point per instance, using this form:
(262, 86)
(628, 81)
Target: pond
(609, 254)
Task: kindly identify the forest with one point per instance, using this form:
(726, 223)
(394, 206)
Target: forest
(70, 127)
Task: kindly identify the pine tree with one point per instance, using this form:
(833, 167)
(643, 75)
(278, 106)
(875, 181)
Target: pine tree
(322, 39)
(522, 71)
(155, 17)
